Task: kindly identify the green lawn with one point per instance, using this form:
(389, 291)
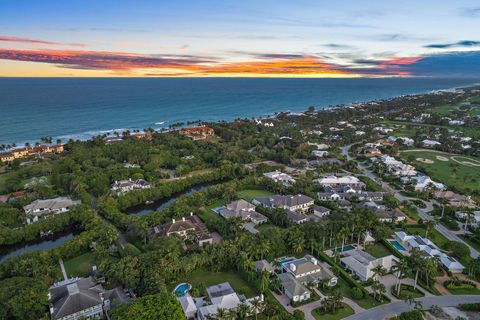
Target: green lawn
(378, 250)
(249, 194)
(462, 291)
(407, 291)
(79, 266)
(207, 278)
(474, 244)
(207, 213)
(472, 132)
(366, 302)
(451, 173)
(343, 312)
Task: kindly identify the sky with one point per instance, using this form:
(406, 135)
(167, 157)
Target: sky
(241, 38)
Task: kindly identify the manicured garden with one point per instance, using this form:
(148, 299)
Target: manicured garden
(202, 278)
(377, 250)
(343, 312)
(406, 292)
(79, 266)
(457, 286)
(450, 171)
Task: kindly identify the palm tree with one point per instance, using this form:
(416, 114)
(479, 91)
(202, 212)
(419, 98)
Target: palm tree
(263, 248)
(257, 306)
(379, 271)
(416, 264)
(429, 224)
(401, 268)
(430, 266)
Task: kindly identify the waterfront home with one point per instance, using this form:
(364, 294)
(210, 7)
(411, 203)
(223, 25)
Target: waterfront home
(124, 186)
(283, 178)
(222, 296)
(455, 199)
(198, 133)
(428, 249)
(37, 151)
(298, 207)
(190, 227)
(242, 209)
(361, 264)
(81, 298)
(42, 209)
(340, 182)
(298, 273)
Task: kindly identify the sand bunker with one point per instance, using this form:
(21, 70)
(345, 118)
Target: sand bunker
(441, 158)
(424, 160)
(466, 161)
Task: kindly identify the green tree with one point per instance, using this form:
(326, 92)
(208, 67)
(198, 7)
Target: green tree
(152, 307)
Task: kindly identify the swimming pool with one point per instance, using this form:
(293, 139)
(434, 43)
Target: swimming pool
(181, 289)
(284, 260)
(397, 245)
(345, 248)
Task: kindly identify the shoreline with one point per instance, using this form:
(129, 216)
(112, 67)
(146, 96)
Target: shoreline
(163, 125)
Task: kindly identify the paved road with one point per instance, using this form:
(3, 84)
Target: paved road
(422, 212)
(395, 308)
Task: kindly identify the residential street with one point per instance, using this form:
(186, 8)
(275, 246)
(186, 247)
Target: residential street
(395, 308)
(423, 213)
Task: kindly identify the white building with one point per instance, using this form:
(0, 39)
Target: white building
(124, 186)
(319, 153)
(281, 177)
(430, 143)
(361, 264)
(473, 218)
(430, 249)
(42, 209)
(340, 181)
(423, 183)
(397, 168)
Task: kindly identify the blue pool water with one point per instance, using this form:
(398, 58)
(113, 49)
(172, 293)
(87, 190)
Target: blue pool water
(181, 289)
(345, 248)
(285, 260)
(397, 245)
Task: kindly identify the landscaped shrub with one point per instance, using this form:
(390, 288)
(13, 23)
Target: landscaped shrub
(470, 307)
(456, 283)
(357, 293)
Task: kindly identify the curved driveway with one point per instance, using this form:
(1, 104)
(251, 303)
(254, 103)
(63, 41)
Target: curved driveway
(395, 308)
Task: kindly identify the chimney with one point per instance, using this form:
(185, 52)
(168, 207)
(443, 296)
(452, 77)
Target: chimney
(173, 220)
(293, 267)
(191, 214)
(183, 218)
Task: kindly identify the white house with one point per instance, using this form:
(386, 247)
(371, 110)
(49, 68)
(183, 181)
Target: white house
(396, 167)
(422, 183)
(473, 217)
(319, 153)
(430, 143)
(42, 209)
(123, 186)
(242, 209)
(281, 177)
(429, 249)
(340, 181)
(297, 273)
(361, 264)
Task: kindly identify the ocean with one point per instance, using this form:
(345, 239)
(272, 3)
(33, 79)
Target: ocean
(79, 108)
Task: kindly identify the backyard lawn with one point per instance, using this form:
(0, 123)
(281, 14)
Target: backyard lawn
(79, 266)
(207, 213)
(366, 302)
(207, 278)
(456, 171)
(343, 312)
(249, 194)
(377, 250)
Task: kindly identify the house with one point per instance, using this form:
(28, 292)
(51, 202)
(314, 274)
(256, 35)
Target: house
(298, 207)
(39, 209)
(320, 211)
(360, 133)
(423, 183)
(297, 273)
(264, 265)
(372, 152)
(242, 209)
(430, 143)
(336, 182)
(428, 249)
(189, 227)
(81, 298)
(455, 199)
(361, 264)
(198, 133)
(319, 153)
(357, 195)
(37, 151)
(406, 141)
(222, 296)
(124, 186)
(278, 176)
(471, 218)
(188, 306)
(383, 213)
(396, 167)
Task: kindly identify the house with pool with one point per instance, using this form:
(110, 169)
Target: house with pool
(296, 274)
(428, 249)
